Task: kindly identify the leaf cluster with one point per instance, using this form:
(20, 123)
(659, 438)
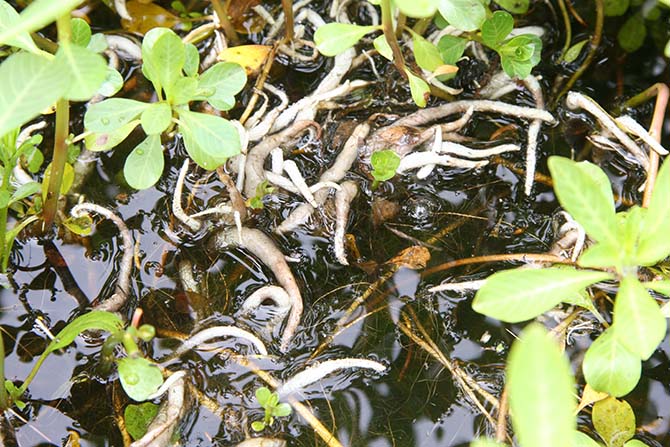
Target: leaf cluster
(270, 403)
(172, 68)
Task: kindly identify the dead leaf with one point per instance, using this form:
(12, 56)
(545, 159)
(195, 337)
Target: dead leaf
(445, 69)
(589, 396)
(251, 57)
(415, 258)
(244, 19)
(147, 16)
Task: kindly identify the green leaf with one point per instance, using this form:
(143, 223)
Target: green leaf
(258, 426)
(192, 60)
(601, 255)
(632, 33)
(653, 244)
(25, 190)
(384, 164)
(225, 79)
(574, 51)
(104, 141)
(582, 440)
(466, 15)
(495, 29)
(416, 8)
(30, 83)
(382, 46)
(333, 38)
(541, 390)
(662, 287)
(81, 226)
(37, 15)
(614, 421)
(521, 294)
(584, 300)
(138, 417)
(112, 84)
(98, 43)
(81, 32)
(87, 70)
(167, 56)
(520, 54)
(426, 54)
(156, 118)
(451, 48)
(514, 6)
(140, 378)
(8, 18)
(584, 191)
(610, 367)
(112, 114)
(95, 319)
(639, 323)
(263, 395)
(282, 410)
(419, 89)
(144, 165)
(209, 140)
(185, 91)
(635, 443)
(148, 65)
(616, 7)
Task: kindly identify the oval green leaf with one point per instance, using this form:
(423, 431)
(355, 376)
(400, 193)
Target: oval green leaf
(209, 140)
(112, 114)
(383, 47)
(466, 15)
(96, 319)
(8, 18)
(139, 377)
(87, 70)
(419, 89)
(334, 38)
(417, 8)
(156, 118)
(541, 390)
(104, 141)
(495, 29)
(225, 79)
(653, 244)
(582, 440)
(522, 294)
(639, 323)
(144, 165)
(426, 54)
(614, 421)
(609, 367)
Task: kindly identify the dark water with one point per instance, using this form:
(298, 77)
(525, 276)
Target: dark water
(416, 403)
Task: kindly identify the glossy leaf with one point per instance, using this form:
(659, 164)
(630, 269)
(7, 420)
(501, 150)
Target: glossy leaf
(574, 51)
(584, 191)
(610, 367)
(466, 15)
(98, 43)
(522, 294)
(333, 38)
(639, 323)
(653, 244)
(87, 71)
(144, 165)
(632, 33)
(95, 319)
(541, 387)
(382, 46)
(147, 16)
(614, 421)
(209, 140)
(451, 48)
(112, 84)
(635, 443)
(495, 29)
(9, 17)
(225, 79)
(138, 417)
(139, 377)
(601, 255)
(104, 141)
(149, 65)
(167, 56)
(156, 118)
(36, 16)
(30, 83)
(112, 114)
(426, 54)
(419, 89)
(384, 164)
(416, 8)
(81, 32)
(514, 6)
(616, 7)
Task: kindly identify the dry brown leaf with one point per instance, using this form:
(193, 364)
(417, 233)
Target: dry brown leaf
(445, 69)
(147, 16)
(589, 396)
(251, 57)
(415, 258)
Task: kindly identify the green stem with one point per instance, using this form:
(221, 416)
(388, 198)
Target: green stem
(567, 26)
(60, 139)
(3, 220)
(389, 33)
(4, 402)
(33, 372)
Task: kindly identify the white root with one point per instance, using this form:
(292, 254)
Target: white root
(120, 7)
(419, 159)
(576, 100)
(426, 116)
(122, 289)
(462, 151)
(261, 246)
(461, 287)
(205, 335)
(281, 181)
(535, 89)
(279, 296)
(316, 373)
(634, 128)
(177, 210)
(277, 159)
(160, 431)
(167, 384)
(335, 173)
(124, 47)
(261, 129)
(343, 199)
(296, 177)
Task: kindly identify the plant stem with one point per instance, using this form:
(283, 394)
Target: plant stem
(655, 130)
(567, 26)
(389, 33)
(221, 12)
(4, 402)
(3, 219)
(60, 138)
(33, 372)
(287, 5)
(519, 257)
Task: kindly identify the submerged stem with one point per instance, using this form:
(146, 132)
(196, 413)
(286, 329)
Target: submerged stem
(4, 402)
(389, 33)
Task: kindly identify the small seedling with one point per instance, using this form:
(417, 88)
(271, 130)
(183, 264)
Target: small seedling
(270, 403)
(384, 166)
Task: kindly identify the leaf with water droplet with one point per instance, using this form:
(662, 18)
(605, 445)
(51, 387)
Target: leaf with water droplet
(144, 165)
(140, 378)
